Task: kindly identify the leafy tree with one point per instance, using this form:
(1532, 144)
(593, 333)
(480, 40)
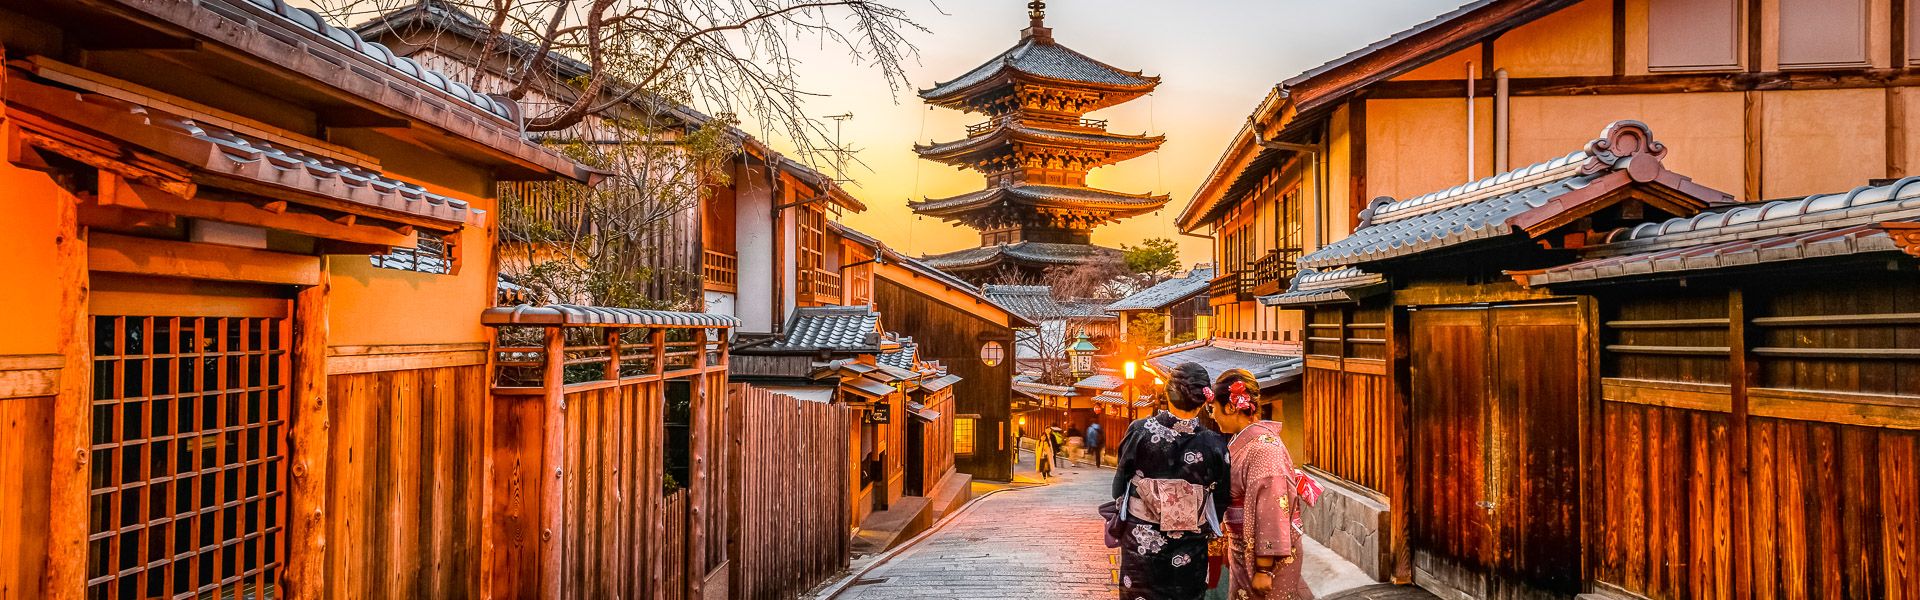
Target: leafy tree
(1153, 261)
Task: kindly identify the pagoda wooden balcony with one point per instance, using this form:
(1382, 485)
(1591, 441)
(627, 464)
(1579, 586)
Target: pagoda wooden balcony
(989, 125)
(720, 272)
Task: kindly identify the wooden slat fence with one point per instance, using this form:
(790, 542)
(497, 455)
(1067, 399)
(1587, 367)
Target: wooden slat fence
(788, 474)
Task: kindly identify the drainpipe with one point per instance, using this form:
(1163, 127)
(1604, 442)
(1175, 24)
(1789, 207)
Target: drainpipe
(1472, 73)
(1502, 121)
(1315, 168)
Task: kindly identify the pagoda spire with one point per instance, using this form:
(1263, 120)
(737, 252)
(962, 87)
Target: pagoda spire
(1037, 24)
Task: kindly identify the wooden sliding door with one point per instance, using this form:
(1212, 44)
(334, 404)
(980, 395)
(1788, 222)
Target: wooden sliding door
(1496, 404)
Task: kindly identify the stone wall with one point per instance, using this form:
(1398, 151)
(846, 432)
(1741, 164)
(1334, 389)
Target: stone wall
(1353, 525)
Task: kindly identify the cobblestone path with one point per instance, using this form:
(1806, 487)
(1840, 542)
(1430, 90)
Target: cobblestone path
(1028, 543)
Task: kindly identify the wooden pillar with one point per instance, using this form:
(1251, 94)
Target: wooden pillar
(697, 439)
(66, 573)
(1399, 382)
(1742, 375)
(553, 462)
(309, 445)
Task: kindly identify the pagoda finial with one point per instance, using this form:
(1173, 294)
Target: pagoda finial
(1037, 29)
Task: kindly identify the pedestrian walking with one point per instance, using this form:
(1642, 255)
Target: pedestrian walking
(1093, 442)
(1172, 479)
(1263, 520)
(1057, 442)
(1043, 455)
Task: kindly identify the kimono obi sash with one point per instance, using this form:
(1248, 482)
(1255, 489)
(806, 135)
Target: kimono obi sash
(1173, 504)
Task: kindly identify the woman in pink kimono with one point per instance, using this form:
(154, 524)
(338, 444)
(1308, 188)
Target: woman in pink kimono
(1268, 493)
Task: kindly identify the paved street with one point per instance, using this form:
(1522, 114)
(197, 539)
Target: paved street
(1024, 543)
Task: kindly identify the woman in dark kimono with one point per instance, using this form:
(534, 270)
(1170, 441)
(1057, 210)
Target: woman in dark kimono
(1173, 473)
(1268, 494)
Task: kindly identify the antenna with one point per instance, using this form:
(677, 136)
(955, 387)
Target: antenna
(840, 152)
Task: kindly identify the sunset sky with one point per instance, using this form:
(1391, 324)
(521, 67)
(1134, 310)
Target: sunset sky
(1216, 59)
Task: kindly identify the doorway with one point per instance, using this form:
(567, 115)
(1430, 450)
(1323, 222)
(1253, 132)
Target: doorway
(916, 476)
(1497, 394)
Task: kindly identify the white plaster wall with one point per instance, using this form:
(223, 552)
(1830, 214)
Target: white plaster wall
(753, 235)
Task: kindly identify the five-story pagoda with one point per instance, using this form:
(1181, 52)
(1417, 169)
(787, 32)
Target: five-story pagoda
(1035, 149)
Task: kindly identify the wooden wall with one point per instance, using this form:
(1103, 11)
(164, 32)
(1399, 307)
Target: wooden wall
(1353, 423)
(936, 459)
(1763, 440)
(787, 468)
(405, 480)
(953, 337)
(24, 476)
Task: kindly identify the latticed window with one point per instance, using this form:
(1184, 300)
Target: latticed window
(813, 238)
(963, 435)
(188, 457)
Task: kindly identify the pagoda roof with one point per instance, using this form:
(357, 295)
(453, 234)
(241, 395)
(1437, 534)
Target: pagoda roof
(1039, 254)
(1044, 196)
(1122, 147)
(1039, 59)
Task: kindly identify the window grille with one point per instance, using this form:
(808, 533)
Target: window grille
(187, 459)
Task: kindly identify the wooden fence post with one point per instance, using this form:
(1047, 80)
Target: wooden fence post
(552, 462)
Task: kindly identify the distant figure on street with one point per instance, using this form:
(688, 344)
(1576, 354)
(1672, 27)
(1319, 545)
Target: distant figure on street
(1093, 442)
(1172, 474)
(1043, 455)
(1263, 521)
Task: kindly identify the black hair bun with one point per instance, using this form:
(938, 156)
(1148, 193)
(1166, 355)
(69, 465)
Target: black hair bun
(1187, 387)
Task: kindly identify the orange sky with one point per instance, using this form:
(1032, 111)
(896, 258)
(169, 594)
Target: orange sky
(1216, 59)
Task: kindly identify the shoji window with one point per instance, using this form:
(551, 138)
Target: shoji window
(1693, 35)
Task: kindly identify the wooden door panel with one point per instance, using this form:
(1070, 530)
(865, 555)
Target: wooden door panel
(1535, 444)
(1449, 384)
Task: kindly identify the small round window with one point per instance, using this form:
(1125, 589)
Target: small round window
(992, 353)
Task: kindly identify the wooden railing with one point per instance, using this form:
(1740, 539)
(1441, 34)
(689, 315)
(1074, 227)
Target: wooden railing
(995, 123)
(1273, 271)
(822, 285)
(721, 271)
(860, 288)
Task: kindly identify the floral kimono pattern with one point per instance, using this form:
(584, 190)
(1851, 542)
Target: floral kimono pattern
(1159, 563)
(1265, 519)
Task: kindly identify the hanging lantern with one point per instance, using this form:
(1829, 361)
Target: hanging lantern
(1080, 356)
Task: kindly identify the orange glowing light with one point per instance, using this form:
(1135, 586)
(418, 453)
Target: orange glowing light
(1132, 368)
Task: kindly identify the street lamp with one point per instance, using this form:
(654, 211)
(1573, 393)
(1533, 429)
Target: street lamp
(1080, 354)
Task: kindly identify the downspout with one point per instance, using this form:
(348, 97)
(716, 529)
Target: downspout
(1315, 170)
(779, 247)
(1502, 121)
(1472, 73)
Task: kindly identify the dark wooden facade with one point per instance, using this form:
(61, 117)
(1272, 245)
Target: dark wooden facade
(953, 337)
(1651, 413)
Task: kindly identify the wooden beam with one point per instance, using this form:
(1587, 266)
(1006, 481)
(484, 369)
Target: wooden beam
(1754, 139)
(309, 443)
(165, 258)
(371, 359)
(30, 376)
(1706, 397)
(1659, 83)
(234, 208)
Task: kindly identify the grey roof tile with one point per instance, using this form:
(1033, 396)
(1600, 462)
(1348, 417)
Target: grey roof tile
(1050, 60)
(1268, 369)
(832, 328)
(1167, 292)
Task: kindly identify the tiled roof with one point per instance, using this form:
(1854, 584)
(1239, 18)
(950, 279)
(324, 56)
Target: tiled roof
(1040, 389)
(1333, 285)
(1120, 147)
(906, 357)
(224, 153)
(1493, 207)
(1047, 196)
(940, 383)
(1034, 56)
(1268, 369)
(1811, 227)
(313, 22)
(1036, 303)
(888, 254)
(1101, 381)
(837, 328)
(1166, 293)
(572, 315)
(1036, 253)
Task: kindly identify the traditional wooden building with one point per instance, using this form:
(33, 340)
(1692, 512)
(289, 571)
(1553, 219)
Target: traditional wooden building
(1765, 99)
(250, 257)
(1035, 149)
(963, 331)
(1595, 375)
(1179, 304)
